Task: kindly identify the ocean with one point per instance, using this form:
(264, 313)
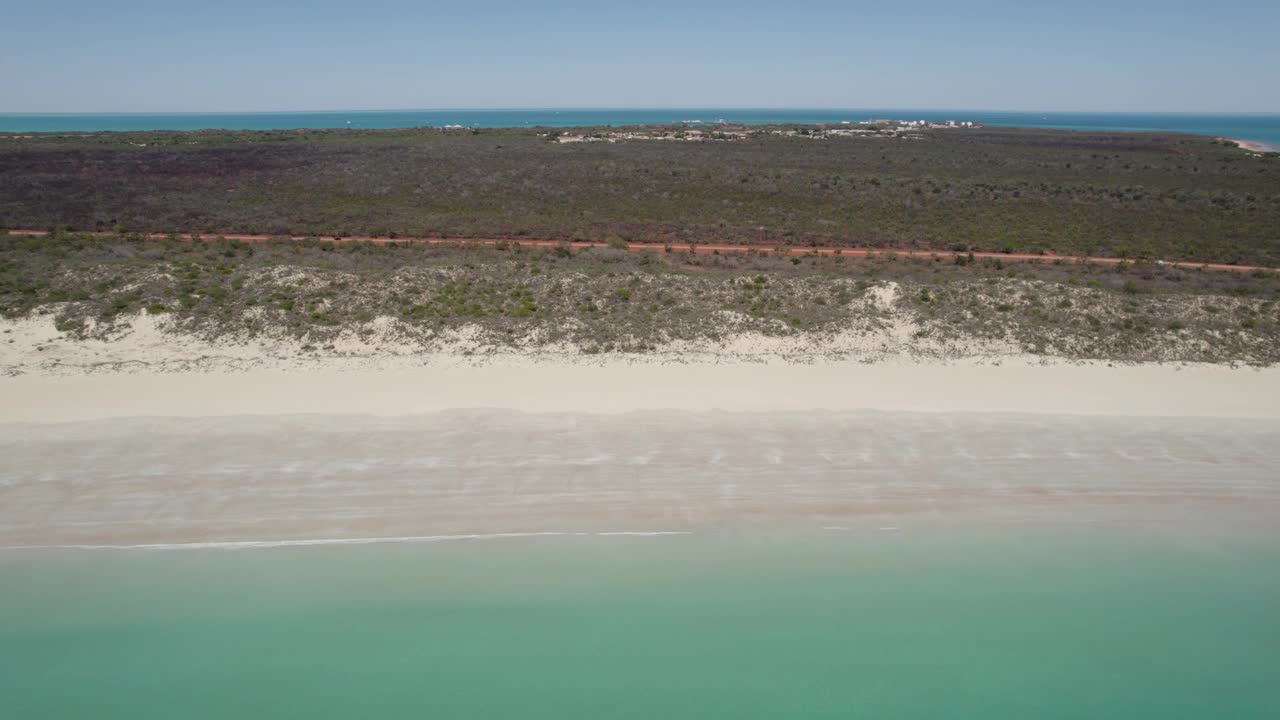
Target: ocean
(878, 624)
(1260, 127)
(640, 565)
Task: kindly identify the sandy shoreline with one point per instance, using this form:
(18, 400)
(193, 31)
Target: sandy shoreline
(161, 445)
(149, 370)
(532, 448)
(1251, 145)
(244, 482)
(1010, 385)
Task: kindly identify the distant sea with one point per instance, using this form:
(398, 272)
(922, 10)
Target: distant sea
(1260, 127)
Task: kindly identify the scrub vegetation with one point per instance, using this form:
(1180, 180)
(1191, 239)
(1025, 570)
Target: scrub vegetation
(608, 300)
(1137, 195)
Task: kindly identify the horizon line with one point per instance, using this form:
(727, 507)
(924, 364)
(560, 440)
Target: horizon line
(624, 108)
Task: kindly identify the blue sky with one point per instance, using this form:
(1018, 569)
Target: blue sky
(235, 55)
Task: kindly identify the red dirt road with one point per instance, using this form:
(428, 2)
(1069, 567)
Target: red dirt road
(710, 248)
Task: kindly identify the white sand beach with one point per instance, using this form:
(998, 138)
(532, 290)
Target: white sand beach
(1251, 145)
(1011, 384)
(465, 474)
(434, 446)
(148, 370)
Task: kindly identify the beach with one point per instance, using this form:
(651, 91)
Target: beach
(1251, 145)
(573, 397)
(342, 449)
(254, 481)
(745, 532)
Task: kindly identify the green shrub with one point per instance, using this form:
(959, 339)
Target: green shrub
(68, 324)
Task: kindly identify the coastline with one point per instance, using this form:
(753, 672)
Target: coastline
(298, 480)
(159, 441)
(1204, 124)
(1250, 145)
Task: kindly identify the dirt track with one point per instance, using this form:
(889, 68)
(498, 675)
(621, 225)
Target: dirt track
(711, 248)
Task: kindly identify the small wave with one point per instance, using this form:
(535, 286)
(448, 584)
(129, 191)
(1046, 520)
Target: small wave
(252, 544)
(637, 533)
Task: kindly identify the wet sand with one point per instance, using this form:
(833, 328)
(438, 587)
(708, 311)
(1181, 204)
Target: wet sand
(293, 478)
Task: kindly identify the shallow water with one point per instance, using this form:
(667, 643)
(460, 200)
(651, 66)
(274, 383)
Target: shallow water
(875, 623)
(829, 564)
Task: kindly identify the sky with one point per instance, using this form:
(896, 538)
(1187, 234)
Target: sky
(277, 55)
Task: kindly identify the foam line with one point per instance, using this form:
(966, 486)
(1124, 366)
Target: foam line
(252, 544)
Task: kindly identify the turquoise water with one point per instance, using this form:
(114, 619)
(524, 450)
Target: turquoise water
(1252, 126)
(944, 624)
